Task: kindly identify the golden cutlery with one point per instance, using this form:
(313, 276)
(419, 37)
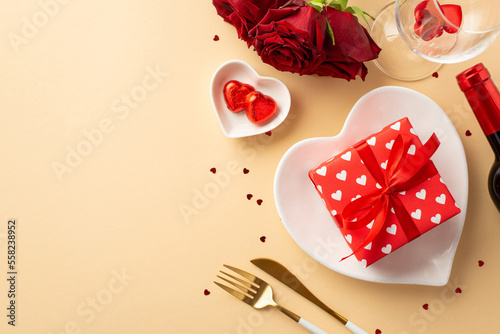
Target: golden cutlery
(258, 294)
(278, 271)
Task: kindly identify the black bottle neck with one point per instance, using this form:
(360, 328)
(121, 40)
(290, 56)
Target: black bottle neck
(494, 140)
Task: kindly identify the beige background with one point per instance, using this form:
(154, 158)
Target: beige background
(102, 245)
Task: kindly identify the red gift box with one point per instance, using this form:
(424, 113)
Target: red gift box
(384, 191)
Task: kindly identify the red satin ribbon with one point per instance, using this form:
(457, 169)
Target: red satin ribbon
(403, 172)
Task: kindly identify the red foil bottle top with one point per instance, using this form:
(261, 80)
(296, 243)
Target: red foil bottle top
(476, 75)
(483, 97)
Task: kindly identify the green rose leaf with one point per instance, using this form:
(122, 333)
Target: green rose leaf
(318, 5)
(356, 10)
(330, 31)
(338, 4)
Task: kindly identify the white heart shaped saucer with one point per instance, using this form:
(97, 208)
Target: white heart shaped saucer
(236, 125)
(426, 260)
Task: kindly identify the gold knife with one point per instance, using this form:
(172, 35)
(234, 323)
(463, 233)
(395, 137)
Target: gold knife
(278, 271)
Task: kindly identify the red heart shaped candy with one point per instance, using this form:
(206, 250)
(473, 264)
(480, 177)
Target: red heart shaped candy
(454, 14)
(235, 94)
(429, 23)
(259, 107)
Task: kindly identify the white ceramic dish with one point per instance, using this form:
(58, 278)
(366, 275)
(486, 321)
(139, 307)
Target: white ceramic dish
(237, 125)
(428, 259)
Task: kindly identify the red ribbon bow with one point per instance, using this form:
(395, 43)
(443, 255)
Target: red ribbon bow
(403, 172)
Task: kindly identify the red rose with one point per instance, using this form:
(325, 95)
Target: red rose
(291, 38)
(244, 14)
(353, 45)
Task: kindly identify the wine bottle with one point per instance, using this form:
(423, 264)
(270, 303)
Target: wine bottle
(484, 99)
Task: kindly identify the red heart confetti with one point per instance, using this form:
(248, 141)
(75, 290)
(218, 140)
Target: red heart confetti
(468, 133)
(213, 170)
(235, 94)
(216, 38)
(429, 24)
(269, 133)
(206, 292)
(378, 331)
(245, 171)
(480, 263)
(249, 196)
(435, 75)
(458, 290)
(425, 306)
(259, 201)
(259, 107)
(263, 239)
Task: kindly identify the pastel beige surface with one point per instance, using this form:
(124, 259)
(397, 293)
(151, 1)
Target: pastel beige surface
(119, 241)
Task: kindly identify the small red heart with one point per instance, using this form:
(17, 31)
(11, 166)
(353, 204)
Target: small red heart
(213, 170)
(429, 23)
(263, 239)
(435, 75)
(259, 202)
(259, 107)
(206, 292)
(378, 331)
(468, 133)
(245, 171)
(480, 263)
(235, 94)
(269, 133)
(425, 306)
(249, 196)
(458, 290)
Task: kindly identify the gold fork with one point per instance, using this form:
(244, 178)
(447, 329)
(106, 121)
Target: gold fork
(257, 293)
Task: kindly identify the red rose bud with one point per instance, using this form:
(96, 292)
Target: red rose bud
(291, 39)
(292, 36)
(353, 46)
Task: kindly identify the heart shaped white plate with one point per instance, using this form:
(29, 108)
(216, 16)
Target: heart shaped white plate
(426, 260)
(236, 125)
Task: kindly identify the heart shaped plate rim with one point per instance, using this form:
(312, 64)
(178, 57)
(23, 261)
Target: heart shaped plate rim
(426, 260)
(237, 125)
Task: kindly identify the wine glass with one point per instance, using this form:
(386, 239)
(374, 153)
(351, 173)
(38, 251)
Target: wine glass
(418, 36)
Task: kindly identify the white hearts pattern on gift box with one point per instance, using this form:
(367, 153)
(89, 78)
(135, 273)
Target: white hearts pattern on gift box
(349, 178)
(342, 175)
